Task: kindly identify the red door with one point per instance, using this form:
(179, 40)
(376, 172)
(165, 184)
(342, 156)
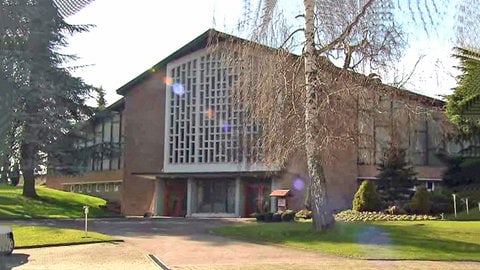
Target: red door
(175, 199)
(257, 198)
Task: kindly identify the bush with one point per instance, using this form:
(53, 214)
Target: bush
(277, 217)
(304, 213)
(351, 215)
(421, 201)
(439, 208)
(395, 210)
(366, 198)
(288, 215)
(258, 216)
(269, 216)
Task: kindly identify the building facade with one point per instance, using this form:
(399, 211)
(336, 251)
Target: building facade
(100, 162)
(184, 136)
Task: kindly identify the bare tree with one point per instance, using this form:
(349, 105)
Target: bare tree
(304, 103)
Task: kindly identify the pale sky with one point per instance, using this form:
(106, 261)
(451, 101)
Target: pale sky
(131, 36)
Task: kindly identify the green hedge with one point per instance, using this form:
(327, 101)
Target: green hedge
(352, 215)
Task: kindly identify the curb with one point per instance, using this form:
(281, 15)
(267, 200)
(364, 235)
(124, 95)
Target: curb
(70, 244)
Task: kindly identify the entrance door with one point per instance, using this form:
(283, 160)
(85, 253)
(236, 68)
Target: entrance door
(175, 199)
(257, 198)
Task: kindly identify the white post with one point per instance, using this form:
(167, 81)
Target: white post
(85, 210)
(454, 204)
(466, 204)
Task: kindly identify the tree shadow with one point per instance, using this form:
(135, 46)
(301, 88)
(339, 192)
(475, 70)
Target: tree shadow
(14, 260)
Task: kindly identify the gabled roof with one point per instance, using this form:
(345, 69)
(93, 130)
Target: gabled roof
(210, 35)
(199, 42)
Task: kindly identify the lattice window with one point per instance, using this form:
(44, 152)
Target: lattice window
(204, 124)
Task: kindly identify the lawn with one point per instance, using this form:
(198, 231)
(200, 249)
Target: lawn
(474, 214)
(28, 236)
(52, 204)
(415, 240)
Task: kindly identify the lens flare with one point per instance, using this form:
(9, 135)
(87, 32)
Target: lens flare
(177, 89)
(209, 113)
(168, 80)
(298, 183)
(226, 126)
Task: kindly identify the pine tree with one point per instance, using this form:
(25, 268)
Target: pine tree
(396, 176)
(47, 100)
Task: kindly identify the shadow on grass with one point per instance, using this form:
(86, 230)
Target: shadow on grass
(14, 260)
(407, 241)
(144, 228)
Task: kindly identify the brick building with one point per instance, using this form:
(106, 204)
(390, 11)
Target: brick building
(100, 172)
(182, 156)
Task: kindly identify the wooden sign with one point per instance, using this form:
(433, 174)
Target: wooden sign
(281, 202)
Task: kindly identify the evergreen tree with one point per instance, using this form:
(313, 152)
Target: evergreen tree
(45, 99)
(366, 198)
(396, 176)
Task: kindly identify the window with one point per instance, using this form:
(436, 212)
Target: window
(71, 188)
(116, 187)
(97, 187)
(215, 196)
(89, 188)
(430, 185)
(106, 187)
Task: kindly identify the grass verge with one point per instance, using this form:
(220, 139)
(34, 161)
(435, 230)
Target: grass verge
(412, 240)
(473, 214)
(32, 236)
(51, 204)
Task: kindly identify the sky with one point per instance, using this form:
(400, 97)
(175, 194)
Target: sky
(130, 36)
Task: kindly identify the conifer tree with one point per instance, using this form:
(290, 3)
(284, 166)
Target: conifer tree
(45, 100)
(396, 176)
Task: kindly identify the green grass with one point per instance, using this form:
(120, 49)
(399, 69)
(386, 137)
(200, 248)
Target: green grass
(41, 235)
(52, 204)
(474, 214)
(414, 240)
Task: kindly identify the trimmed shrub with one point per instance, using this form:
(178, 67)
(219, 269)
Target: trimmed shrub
(268, 216)
(421, 201)
(351, 216)
(366, 198)
(258, 216)
(288, 215)
(395, 210)
(304, 213)
(277, 217)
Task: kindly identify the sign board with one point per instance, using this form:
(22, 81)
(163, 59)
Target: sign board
(281, 202)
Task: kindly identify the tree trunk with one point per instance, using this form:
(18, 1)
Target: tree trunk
(322, 217)
(27, 162)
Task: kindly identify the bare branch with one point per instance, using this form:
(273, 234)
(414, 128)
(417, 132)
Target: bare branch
(347, 29)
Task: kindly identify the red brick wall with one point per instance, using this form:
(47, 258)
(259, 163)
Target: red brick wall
(144, 118)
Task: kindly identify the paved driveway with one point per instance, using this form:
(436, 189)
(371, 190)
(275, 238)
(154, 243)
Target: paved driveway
(188, 244)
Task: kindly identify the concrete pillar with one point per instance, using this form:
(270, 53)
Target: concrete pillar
(189, 196)
(237, 196)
